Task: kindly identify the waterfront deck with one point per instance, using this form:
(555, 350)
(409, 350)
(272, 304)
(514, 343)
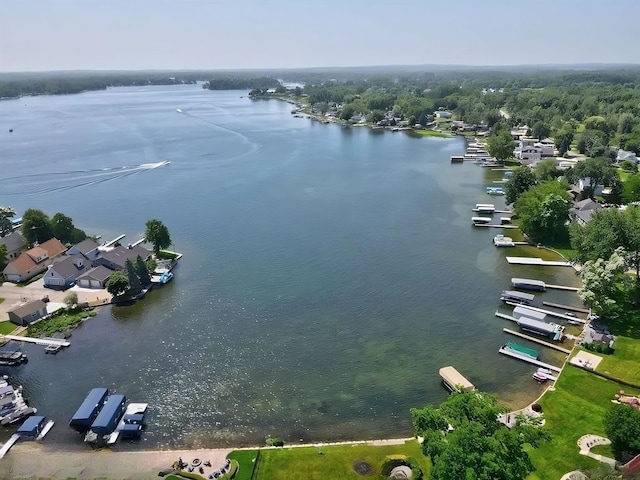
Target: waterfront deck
(562, 287)
(491, 225)
(537, 340)
(537, 261)
(524, 358)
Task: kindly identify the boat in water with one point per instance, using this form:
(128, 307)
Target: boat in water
(12, 358)
(529, 284)
(455, 381)
(166, 277)
(514, 296)
(502, 241)
(515, 350)
(13, 407)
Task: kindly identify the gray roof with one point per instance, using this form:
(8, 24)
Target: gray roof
(119, 255)
(14, 241)
(28, 308)
(99, 273)
(66, 267)
(587, 204)
(85, 246)
(591, 336)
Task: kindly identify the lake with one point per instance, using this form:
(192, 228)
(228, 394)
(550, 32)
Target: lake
(328, 272)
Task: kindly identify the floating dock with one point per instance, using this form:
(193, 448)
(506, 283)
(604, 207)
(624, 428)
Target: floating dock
(525, 358)
(494, 225)
(131, 420)
(37, 341)
(537, 261)
(567, 307)
(537, 340)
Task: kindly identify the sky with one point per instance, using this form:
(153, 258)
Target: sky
(43, 35)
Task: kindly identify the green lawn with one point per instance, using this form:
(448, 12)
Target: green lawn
(63, 322)
(623, 364)
(246, 459)
(433, 133)
(575, 408)
(7, 327)
(336, 461)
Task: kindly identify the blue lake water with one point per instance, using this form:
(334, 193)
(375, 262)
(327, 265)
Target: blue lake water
(328, 272)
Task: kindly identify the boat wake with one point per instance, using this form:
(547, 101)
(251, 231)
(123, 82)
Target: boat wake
(48, 182)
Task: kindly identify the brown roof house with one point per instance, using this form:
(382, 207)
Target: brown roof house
(15, 243)
(28, 312)
(33, 262)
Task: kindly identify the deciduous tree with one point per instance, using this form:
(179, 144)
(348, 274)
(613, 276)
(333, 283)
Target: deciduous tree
(36, 226)
(520, 181)
(501, 145)
(6, 214)
(622, 427)
(3, 256)
(599, 281)
(543, 211)
(157, 234)
(476, 446)
(117, 284)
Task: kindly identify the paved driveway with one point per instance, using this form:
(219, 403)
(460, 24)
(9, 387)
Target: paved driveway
(14, 296)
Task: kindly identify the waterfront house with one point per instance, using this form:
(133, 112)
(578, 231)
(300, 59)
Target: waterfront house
(63, 273)
(527, 154)
(116, 258)
(88, 248)
(585, 185)
(625, 155)
(592, 336)
(95, 278)
(34, 261)
(443, 114)
(15, 243)
(583, 210)
(28, 312)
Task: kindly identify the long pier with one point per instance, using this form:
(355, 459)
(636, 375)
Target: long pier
(562, 287)
(548, 312)
(530, 360)
(111, 242)
(567, 307)
(38, 341)
(536, 261)
(494, 225)
(5, 448)
(537, 340)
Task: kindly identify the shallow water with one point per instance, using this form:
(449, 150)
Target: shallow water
(328, 274)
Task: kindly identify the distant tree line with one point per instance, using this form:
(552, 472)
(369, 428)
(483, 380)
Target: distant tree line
(241, 83)
(17, 86)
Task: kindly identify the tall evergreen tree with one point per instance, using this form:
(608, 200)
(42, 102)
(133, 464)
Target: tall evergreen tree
(134, 281)
(142, 271)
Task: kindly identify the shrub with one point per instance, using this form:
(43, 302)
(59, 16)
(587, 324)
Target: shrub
(274, 442)
(598, 348)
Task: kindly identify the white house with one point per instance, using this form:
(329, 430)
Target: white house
(527, 153)
(625, 155)
(587, 182)
(62, 274)
(443, 114)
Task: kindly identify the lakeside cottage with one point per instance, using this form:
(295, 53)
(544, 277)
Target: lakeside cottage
(34, 261)
(27, 313)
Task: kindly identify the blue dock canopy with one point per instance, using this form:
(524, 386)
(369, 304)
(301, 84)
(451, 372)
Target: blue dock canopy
(31, 426)
(107, 419)
(86, 414)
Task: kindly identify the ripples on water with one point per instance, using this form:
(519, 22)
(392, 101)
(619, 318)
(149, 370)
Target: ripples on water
(328, 272)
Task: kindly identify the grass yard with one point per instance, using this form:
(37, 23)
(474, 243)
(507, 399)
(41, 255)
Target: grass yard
(623, 363)
(7, 327)
(246, 460)
(433, 133)
(576, 407)
(335, 461)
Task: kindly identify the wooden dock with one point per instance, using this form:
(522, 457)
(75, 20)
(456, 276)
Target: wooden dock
(537, 340)
(562, 287)
(567, 307)
(548, 312)
(536, 261)
(530, 360)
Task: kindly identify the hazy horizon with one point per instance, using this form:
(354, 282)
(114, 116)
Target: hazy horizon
(43, 35)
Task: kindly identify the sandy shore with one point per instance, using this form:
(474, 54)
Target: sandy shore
(31, 460)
